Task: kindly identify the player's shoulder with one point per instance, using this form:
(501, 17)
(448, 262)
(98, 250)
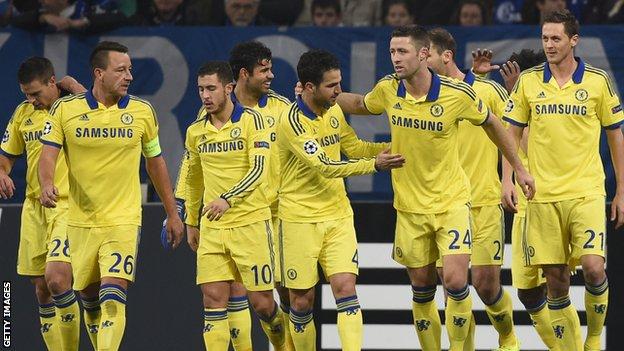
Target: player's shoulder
(389, 81)
(491, 87)
(536, 72)
(251, 115)
(451, 86)
(141, 103)
(598, 77)
(23, 109)
(69, 101)
(277, 99)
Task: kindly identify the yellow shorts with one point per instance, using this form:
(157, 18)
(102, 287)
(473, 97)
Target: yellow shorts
(242, 253)
(103, 252)
(420, 239)
(561, 232)
(43, 237)
(277, 251)
(522, 276)
(332, 244)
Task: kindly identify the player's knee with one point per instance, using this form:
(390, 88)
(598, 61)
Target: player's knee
(531, 297)
(455, 280)
(263, 304)
(487, 291)
(301, 303)
(594, 273)
(57, 283)
(41, 290)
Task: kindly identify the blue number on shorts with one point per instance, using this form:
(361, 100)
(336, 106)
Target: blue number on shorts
(117, 262)
(601, 241)
(66, 248)
(453, 245)
(57, 243)
(467, 240)
(498, 250)
(592, 235)
(355, 258)
(265, 273)
(128, 265)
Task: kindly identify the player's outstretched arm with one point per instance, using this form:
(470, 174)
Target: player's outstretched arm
(46, 170)
(7, 188)
(616, 146)
(508, 145)
(157, 171)
(352, 103)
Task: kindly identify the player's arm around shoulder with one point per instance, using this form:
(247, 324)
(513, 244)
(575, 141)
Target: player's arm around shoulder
(354, 147)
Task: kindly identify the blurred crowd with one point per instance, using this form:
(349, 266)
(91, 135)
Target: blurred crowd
(89, 16)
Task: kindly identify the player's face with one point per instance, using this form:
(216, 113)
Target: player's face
(557, 45)
(327, 91)
(213, 93)
(41, 95)
(406, 58)
(262, 77)
(435, 61)
(117, 76)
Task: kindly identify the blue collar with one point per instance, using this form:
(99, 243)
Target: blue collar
(305, 109)
(262, 102)
(469, 78)
(577, 76)
(93, 104)
(434, 90)
(237, 112)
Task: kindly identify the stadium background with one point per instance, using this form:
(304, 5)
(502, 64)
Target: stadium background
(165, 308)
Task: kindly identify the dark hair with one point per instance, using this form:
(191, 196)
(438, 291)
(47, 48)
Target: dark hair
(389, 3)
(221, 68)
(325, 4)
(417, 33)
(570, 24)
(248, 55)
(99, 55)
(442, 40)
(485, 17)
(313, 64)
(528, 58)
(33, 68)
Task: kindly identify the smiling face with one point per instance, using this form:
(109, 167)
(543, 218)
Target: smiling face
(115, 79)
(556, 43)
(261, 77)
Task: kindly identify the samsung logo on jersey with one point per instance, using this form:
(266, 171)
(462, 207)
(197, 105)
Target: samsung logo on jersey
(104, 133)
(560, 109)
(415, 123)
(223, 146)
(32, 136)
(329, 140)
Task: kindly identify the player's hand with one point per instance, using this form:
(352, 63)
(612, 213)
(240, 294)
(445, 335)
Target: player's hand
(510, 72)
(7, 188)
(175, 230)
(298, 89)
(192, 237)
(49, 195)
(482, 61)
(386, 161)
(165, 238)
(526, 183)
(70, 84)
(216, 209)
(509, 197)
(617, 210)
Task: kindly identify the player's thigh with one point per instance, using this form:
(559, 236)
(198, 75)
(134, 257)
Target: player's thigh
(588, 227)
(414, 240)
(58, 243)
(119, 250)
(547, 239)
(488, 235)
(251, 249)
(339, 251)
(85, 245)
(453, 231)
(301, 245)
(33, 250)
(214, 263)
(522, 276)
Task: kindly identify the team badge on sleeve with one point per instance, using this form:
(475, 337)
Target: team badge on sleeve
(614, 110)
(510, 106)
(261, 144)
(47, 128)
(5, 137)
(310, 147)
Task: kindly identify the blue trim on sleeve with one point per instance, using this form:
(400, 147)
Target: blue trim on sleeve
(49, 143)
(514, 122)
(615, 125)
(8, 154)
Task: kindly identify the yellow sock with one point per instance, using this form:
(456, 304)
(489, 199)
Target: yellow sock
(239, 321)
(285, 317)
(565, 323)
(68, 313)
(469, 344)
(596, 303)
(49, 327)
(216, 329)
(540, 315)
(426, 317)
(92, 314)
(113, 319)
(302, 330)
(458, 315)
(500, 314)
(274, 329)
(350, 323)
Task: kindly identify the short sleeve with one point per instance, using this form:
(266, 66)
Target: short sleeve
(150, 142)
(12, 142)
(52, 133)
(474, 109)
(517, 111)
(609, 108)
(374, 100)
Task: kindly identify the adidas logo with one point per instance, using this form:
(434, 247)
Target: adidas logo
(84, 118)
(29, 122)
(541, 95)
(397, 106)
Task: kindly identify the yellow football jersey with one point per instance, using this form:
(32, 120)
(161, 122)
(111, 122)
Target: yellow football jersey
(563, 146)
(424, 131)
(230, 163)
(22, 134)
(312, 189)
(103, 149)
(180, 183)
(477, 153)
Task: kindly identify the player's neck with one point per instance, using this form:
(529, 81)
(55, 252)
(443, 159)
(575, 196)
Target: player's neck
(419, 83)
(455, 72)
(246, 96)
(563, 70)
(106, 98)
(309, 101)
(220, 118)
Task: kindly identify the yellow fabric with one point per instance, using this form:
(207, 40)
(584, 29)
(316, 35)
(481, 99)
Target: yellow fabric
(240, 329)
(478, 154)
(350, 329)
(304, 338)
(421, 238)
(488, 235)
(274, 330)
(92, 324)
(22, 135)
(541, 323)
(458, 315)
(112, 327)
(216, 333)
(428, 325)
(501, 316)
(230, 163)
(103, 148)
(432, 180)
(567, 328)
(563, 148)
(277, 250)
(69, 326)
(312, 188)
(522, 276)
(103, 252)
(51, 333)
(596, 307)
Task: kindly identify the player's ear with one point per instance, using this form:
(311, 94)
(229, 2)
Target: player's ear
(309, 86)
(574, 40)
(243, 73)
(52, 80)
(423, 53)
(229, 87)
